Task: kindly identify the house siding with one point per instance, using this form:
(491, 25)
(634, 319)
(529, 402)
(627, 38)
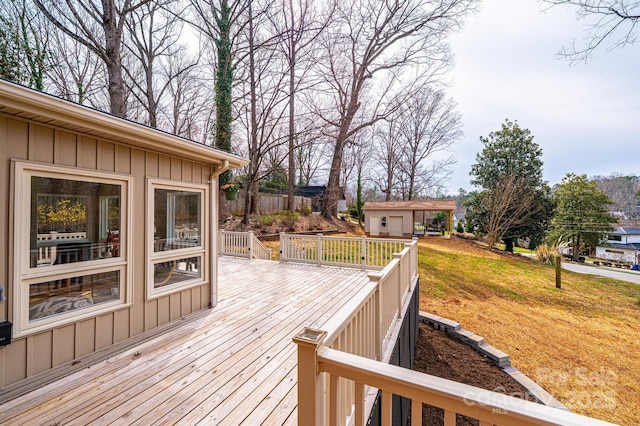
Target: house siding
(23, 140)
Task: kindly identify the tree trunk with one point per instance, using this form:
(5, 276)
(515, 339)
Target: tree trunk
(330, 200)
(508, 244)
(113, 39)
(292, 79)
(224, 82)
(576, 249)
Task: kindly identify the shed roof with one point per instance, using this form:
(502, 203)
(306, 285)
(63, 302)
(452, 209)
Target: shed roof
(626, 231)
(428, 205)
(26, 103)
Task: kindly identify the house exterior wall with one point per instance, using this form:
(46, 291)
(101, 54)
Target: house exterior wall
(617, 254)
(38, 352)
(377, 215)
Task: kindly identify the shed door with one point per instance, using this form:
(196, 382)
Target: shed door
(395, 226)
(374, 226)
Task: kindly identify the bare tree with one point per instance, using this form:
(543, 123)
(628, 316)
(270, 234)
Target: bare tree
(152, 39)
(263, 101)
(429, 124)
(310, 154)
(375, 40)
(510, 205)
(189, 112)
(612, 21)
(80, 19)
(386, 156)
(76, 74)
(296, 29)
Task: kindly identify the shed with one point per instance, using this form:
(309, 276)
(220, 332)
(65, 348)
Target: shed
(109, 230)
(398, 218)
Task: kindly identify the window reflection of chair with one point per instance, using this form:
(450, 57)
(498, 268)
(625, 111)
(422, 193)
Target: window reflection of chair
(71, 253)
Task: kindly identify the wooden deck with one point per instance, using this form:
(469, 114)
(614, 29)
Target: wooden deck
(236, 364)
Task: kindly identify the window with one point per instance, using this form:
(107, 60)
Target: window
(615, 237)
(70, 245)
(177, 226)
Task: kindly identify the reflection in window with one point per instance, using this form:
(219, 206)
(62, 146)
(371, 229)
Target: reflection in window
(56, 297)
(73, 221)
(176, 271)
(177, 221)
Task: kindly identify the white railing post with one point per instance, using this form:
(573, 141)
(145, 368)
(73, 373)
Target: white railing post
(398, 283)
(375, 277)
(221, 246)
(363, 251)
(250, 245)
(282, 249)
(310, 383)
(319, 249)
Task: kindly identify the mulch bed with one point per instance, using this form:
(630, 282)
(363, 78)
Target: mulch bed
(441, 355)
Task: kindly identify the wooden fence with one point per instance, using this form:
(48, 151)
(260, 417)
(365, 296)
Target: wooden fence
(267, 204)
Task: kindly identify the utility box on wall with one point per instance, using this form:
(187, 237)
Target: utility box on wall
(5, 333)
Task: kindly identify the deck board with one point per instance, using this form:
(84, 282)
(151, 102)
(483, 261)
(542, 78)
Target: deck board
(235, 365)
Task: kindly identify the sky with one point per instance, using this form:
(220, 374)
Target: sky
(585, 117)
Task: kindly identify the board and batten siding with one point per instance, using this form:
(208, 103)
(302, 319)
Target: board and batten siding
(21, 139)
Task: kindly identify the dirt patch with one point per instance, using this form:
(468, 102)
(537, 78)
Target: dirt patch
(441, 355)
(294, 223)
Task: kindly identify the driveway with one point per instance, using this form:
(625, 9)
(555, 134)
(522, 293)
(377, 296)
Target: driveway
(622, 275)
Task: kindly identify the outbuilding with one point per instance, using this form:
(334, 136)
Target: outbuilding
(398, 218)
(108, 230)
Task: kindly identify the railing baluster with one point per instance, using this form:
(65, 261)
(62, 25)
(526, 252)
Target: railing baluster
(333, 399)
(386, 408)
(449, 418)
(416, 413)
(359, 404)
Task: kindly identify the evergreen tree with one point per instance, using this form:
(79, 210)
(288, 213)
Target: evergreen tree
(582, 216)
(514, 201)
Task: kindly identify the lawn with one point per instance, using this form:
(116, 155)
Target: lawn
(579, 343)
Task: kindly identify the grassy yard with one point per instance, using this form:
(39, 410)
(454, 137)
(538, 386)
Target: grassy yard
(579, 343)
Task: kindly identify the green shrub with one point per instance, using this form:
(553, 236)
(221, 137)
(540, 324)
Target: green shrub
(305, 210)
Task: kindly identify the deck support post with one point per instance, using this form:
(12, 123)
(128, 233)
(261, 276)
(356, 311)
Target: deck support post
(250, 246)
(310, 382)
(319, 249)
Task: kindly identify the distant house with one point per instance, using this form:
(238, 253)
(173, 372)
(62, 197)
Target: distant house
(458, 218)
(622, 245)
(316, 193)
(397, 218)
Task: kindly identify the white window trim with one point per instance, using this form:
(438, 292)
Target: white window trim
(24, 274)
(200, 251)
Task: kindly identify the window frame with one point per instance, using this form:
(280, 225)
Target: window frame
(25, 275)
(153, 257)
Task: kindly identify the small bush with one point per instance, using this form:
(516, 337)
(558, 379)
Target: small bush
(266, 219)
(546, 253)
(459, 228)
(305, 210)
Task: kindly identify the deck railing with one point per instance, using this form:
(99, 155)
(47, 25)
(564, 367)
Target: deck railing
(242, 244)
(365, 253)
(340, 370)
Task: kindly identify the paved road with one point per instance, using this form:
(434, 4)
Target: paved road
(626, 275)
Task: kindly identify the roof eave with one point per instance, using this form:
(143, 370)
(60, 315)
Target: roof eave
(47, 108)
